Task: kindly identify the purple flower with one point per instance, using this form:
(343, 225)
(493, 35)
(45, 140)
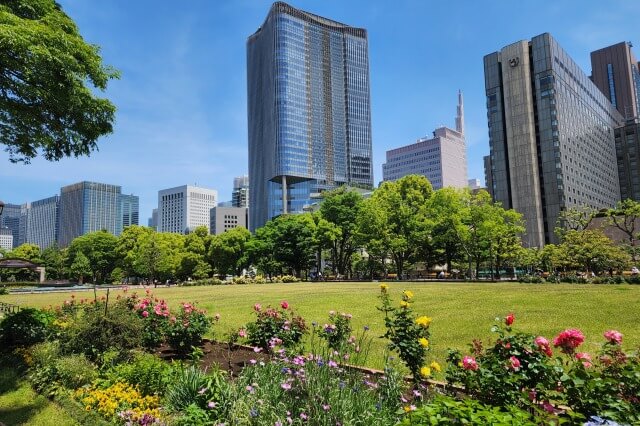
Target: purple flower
(326, 407)
(212, 404)
(303, 416)
(285, 386)
(202, 391)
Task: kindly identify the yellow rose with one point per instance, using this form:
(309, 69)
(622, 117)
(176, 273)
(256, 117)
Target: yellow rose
(423, 342)
(404, 304)
(434, 365)
(384, 287)
(425, 371)
(423, 321)
(408, 294)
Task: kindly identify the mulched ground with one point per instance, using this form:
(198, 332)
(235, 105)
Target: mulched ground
(231, 359)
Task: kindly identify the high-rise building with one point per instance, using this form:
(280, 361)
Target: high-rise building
(41, 222)
(130, 210)
(87, 207)
(6, 239)
(184, 208)
(153, 220)
(10, 219)
(441, 158)
(488, 177)
(240, 194)
(614, 69)
(226, 218)
(550, 135)
(308, 111)
(628, 153)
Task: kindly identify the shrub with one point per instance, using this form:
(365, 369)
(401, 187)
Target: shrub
(531, 279)
(289, 279)
(96, 331)
(43, 372)
(146, 371)
(185, 330)
(75, 371)
(448, 411)
(191, 387)
(155, 319)
(24, 328)
(407, 333)
(274, 327)
(3, 290)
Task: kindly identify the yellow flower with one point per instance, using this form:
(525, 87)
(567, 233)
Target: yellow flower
(425, 371)
(423, 342)
(408, 294)
(407, 408)
(384, 287)
(434, 365)
(404, 304)
(423, 321)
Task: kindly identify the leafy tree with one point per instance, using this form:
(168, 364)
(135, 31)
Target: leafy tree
(129, 249)
(54, 260)
(100, 249)
(402, 205)
(80, 267)
(193, 265)
(161, 255)
(373, 235)
(261, 251)
(27, 251)
(576, 218)
(591, 251)
(626, 217)
(341, 207)
(325, 234)
(45, 103)
(228, 251)
(446, 211)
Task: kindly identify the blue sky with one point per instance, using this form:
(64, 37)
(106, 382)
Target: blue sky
(182, 96)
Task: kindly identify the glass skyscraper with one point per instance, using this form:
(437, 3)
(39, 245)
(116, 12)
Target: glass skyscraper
(308, 111)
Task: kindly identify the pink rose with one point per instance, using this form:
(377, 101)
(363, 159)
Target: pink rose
(145, 314)
(613, 336)
(569, 340)
(257, 307)
(469, 363)
(515, 363)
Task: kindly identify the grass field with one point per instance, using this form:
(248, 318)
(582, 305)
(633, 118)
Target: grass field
(460, 311)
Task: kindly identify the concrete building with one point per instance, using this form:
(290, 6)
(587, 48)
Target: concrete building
(6, 239)
(130, 210)
(309, 116)
(153, 220)
(240, 194)
(225, 218)
(184, 208)
(474, 184)
(442, 158)
(41, 222)
(628, 155)
(88, 207)
(551, 135)
(614, 69)
(488, 178)
(10, 219)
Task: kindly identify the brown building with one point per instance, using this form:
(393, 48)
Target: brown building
(614, 70)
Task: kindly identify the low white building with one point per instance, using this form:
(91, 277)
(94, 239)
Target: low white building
(225, 218)
(6, 239)
(184, 208)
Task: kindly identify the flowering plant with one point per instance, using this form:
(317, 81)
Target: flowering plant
(186, 328)
(408, 334)
(337, 332)
(275, 327)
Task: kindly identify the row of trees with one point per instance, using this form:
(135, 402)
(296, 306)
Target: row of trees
(402, 224)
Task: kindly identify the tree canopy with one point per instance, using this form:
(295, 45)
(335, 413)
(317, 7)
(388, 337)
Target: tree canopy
(46, 104)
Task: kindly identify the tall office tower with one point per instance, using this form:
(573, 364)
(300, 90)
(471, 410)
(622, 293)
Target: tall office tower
(308, 111)
(240, 194)
(10, 219)
(153, 220)
(184, 208)
(442, 158)
(550, 135)
(130, 210)
(614, 70)
(628, 153)
(41, 222)
(87, 207)
(488, 178)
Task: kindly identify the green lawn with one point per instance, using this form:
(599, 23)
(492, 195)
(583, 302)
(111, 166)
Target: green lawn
(460, 311)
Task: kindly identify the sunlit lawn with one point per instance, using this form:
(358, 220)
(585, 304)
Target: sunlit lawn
(460, 311)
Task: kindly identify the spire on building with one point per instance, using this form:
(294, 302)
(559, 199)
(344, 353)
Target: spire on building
(460, 114)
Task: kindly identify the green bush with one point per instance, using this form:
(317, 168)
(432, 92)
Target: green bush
(448, 411)
(275, 327)
(289, 279)
(94, 332)
(531, 279)
(43, 373)
(75, 371)
(151, 374)
(24, 328)
(192, 387)
(3, 290)
(185, 330)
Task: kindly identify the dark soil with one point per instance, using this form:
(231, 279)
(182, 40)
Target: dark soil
(217, 354)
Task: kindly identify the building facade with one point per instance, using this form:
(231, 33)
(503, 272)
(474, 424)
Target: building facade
(628, 155)
(10, 219)
(442, 158)
(614, 69)
(130, 210)
(153, 220)
(240, 194)
(184, 208)
(42, 222)
(88, 207)
(309, 118)
(6, 239)
(551, 136)
(225, 218)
